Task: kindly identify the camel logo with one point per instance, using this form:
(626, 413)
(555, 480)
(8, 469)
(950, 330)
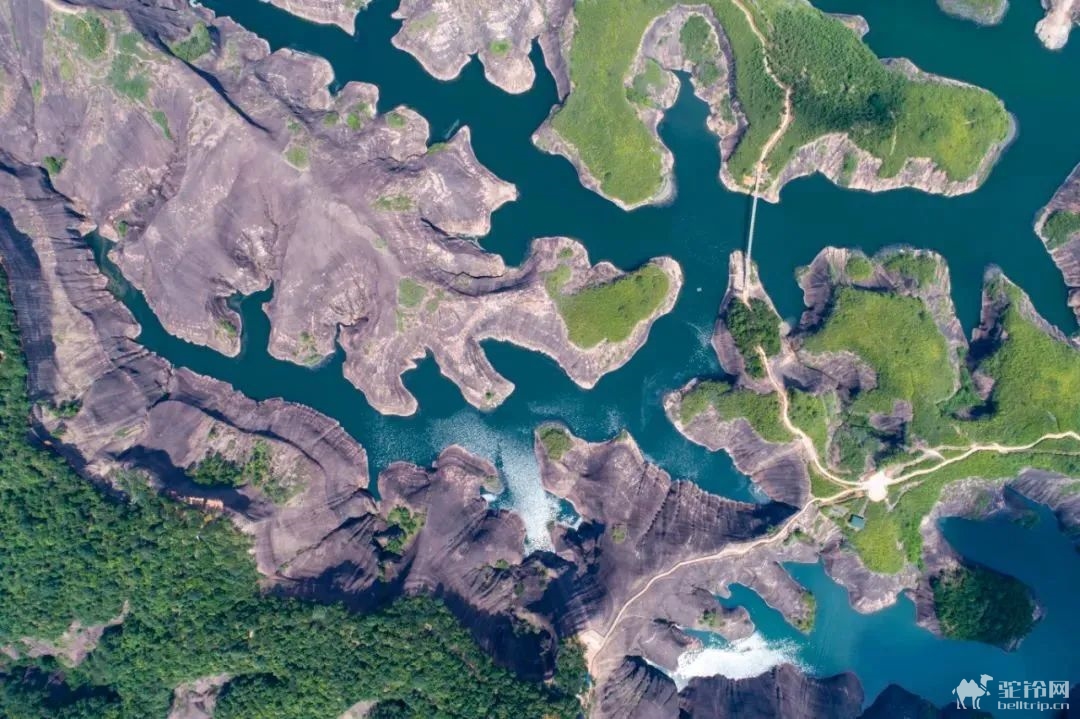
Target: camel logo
(970, 690)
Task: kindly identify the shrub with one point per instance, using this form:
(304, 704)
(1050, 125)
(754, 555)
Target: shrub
(1060, 227)
(556, 442)
(194, 46)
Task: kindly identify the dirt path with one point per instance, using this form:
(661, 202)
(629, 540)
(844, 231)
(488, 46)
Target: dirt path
(788, 116)
(732, 550)
(803, 437)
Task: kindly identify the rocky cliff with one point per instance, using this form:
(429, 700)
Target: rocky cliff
(1058, 226)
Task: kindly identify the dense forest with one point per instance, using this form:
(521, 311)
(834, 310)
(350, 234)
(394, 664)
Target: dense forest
(185, 590)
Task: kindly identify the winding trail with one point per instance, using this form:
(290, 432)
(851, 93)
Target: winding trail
(867, 486)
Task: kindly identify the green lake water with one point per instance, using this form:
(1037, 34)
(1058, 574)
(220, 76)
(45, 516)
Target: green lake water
(699, 229)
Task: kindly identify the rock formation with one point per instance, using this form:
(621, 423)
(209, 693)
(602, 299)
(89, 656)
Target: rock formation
(238, 170)
(1053, 30)
(1062, 237)
(328, 12)
(443, 35)
(980, 13)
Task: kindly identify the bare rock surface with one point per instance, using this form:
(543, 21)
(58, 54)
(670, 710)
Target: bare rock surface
(197, 699)
(328, 12)
(1053, 30)
(444, 34)
(1064, 251)
(239, 171)
(979, 13)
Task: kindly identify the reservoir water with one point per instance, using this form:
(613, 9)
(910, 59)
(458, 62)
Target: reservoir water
(699, 229)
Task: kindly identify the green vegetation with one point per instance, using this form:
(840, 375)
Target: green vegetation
(697, 41)
(917, 501)
(556, 442)
(394, 203)
(67, 409)
(216, 471)
(194, 46)
(1036, 378)
(125, 78)
(358, 115)
(618, 533)
(395, 120)
(805, 624)
(404, 525)
(878, 542)
(87, 31)
(597, 118)
(195, 609)
(979, 604)
(897, 337)
(1060, 227)
(610, 311)
(298, 157)
(920, 267)
(811, 414)
(499, 47)
(762, 411)
(847, 169)
(129, 42)
(162, 121)
(410, 293)
(858, 268)
(838, 85)
(228, 328)
(646, 83)
(53, 164)
(754, 325)
(330, 119)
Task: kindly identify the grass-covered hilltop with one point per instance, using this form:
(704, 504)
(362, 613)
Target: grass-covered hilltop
(886, 404)
(798, 76)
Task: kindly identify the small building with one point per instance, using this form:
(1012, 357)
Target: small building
(856, 521)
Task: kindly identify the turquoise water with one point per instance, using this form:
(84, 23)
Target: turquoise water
(887, 647)
(699, 229)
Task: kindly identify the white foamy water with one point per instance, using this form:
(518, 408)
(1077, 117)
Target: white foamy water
(740, 659)
(517, 465)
